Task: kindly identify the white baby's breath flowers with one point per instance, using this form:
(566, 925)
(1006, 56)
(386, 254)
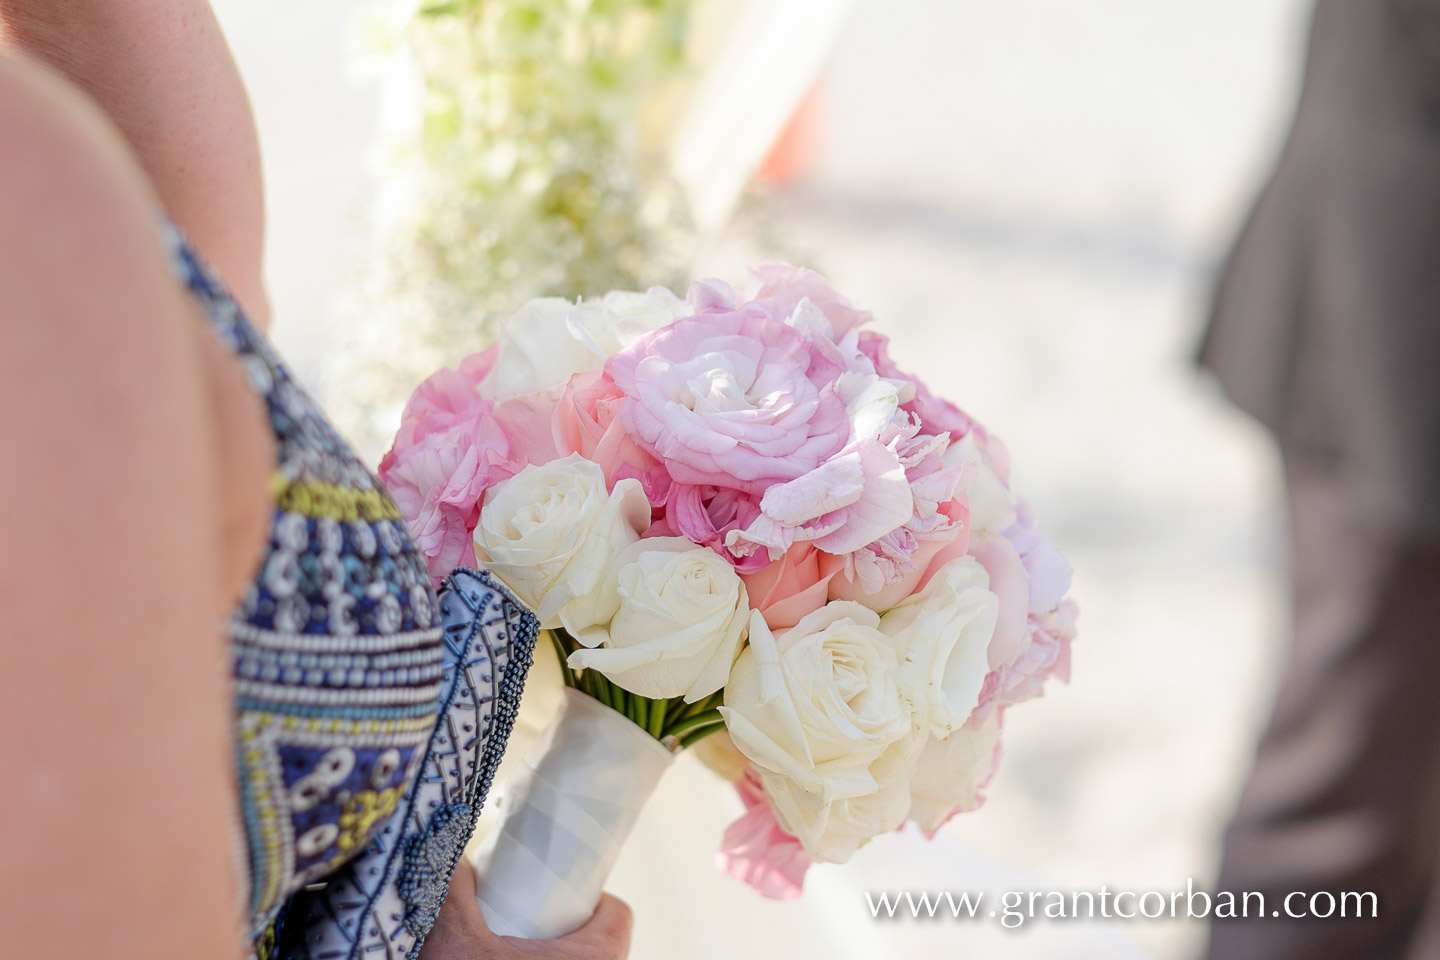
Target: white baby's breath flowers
(669, 618)
(552, 532)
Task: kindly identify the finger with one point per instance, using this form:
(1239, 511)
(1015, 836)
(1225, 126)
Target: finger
(606, 935)
(463, 882)
(460, 932)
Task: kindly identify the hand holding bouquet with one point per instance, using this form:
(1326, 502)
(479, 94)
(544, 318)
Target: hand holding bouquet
(736, 517)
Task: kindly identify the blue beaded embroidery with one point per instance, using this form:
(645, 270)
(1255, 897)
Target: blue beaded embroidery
(384, 903)
(336, 649)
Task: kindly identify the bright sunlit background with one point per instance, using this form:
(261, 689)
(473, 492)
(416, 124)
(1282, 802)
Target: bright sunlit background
(1033, 197)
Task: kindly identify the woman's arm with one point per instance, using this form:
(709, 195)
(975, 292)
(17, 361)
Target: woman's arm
(162, 72)
(133, 505)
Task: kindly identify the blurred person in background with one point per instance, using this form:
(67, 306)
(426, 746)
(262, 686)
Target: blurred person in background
(1327, 328)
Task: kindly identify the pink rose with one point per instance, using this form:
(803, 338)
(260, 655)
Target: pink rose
(448, 450)
(795, 585)
(730, 399)
(706, 515)
(1009, 583)
(756, 850)
(528, 422)
(585, 422)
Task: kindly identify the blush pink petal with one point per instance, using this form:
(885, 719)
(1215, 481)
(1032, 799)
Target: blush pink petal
(937, 415)
(1011, 586)
(585, 423)
(730, 399)
(792, 587)
(448, 450)
(707, 515)
(1047, 654)
(527, 421)
(1047, 570)
(779, 288)
(849, 501)
(757, 851)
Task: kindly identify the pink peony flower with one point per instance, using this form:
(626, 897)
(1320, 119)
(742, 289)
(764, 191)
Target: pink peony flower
(849, 501)
(448, 450)
(937, 415)
(779, 288)
(730, 399)
(758, 851)
(1047, 571)
(936, 518)
(1046, 655)
(706, 515)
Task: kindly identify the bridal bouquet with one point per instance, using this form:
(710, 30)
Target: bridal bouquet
(741, 524)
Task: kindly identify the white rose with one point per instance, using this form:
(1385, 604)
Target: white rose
(552, 531)
(818, 709)
(992, 508)
(669, 618)
(611, 323)
(951, 772)
(847, 824)
(537, 350)
(549, 340)
(943, 634)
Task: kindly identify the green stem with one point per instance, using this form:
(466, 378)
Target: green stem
(563, 654)
(640, 712)
(683, 727)
(700, 733)
(657, 718)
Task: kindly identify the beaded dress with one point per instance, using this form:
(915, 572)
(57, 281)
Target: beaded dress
(370, 713)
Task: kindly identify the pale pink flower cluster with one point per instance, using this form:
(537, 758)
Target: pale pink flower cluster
(859, 510)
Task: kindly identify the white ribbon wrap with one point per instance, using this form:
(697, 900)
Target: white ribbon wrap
(563, 819)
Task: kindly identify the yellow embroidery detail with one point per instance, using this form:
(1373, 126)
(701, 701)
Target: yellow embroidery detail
(361, 813)
(316, 499)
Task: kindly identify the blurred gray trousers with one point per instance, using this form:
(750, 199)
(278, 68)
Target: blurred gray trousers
(1327, 328)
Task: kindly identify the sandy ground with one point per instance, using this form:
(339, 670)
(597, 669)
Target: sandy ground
(1032, 195)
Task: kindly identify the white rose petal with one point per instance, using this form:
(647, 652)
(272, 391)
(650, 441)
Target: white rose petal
(992, 508)
(550, 339)
(611, 323)
(819, 711)
(668, 620)
(943, 634)
(551, 533)
(870, 403)
(537, 350)
(951, 772)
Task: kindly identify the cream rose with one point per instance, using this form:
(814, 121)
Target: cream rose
(552, 531)
(668, 620)
(942, 634)
(951, 772)
(820, 713)
(992, 508)
(550, 339)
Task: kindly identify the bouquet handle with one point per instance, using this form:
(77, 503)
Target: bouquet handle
(563, 819)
